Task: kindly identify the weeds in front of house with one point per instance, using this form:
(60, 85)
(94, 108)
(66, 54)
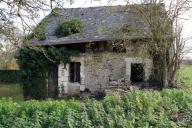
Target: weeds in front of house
(168, 108)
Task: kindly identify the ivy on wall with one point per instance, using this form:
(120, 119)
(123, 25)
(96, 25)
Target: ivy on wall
(34, 64)
(9, 76)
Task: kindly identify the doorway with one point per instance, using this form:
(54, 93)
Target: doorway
(137, 72)
(53, 81)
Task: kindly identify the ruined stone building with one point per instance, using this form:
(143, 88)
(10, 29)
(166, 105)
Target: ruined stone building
(101, 60)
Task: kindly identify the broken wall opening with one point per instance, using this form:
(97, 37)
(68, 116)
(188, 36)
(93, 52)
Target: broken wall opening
(137, 72)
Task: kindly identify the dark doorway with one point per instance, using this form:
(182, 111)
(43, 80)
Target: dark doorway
(137, 72)
(52, 81)
(75, 72)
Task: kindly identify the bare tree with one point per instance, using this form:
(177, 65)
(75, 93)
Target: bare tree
(17, 18)
(162, 34)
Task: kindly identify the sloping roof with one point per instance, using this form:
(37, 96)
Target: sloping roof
(99, 24)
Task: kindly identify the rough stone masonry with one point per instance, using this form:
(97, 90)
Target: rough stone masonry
(98, 69)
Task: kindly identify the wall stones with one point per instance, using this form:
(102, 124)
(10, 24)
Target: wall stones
(98, 69)
(147, 67)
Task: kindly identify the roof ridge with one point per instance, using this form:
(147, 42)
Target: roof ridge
(105, 6)
(91, 7)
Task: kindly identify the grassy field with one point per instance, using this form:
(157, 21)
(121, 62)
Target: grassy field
(186, 74)
(13, 91)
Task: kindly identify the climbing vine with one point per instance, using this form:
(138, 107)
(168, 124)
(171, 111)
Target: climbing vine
(34, 64)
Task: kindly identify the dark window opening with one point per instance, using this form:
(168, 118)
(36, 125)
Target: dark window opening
(119, 50)
(76, 47)
(97, 47)
(119, 46)
(137, 72)
(74, 72)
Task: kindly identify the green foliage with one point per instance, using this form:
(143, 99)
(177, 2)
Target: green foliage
(9, 76)
(28, 36)
(140, 109)
(64, 29)
(34, 64)
(40, 30)
(69, 27)
(185, 74)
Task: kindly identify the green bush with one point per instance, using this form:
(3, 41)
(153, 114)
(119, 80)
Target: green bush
(135, 109)
(69, 27)
(10, 76)
(34, 64)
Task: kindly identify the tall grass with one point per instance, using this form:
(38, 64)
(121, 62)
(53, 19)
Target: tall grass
(185, 74)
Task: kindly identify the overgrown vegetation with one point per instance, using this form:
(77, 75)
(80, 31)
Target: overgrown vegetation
(162, 32)
(9, 76)
(10, 90)
(166, 109)
(69, 27)
(185, 74)
(40, 30)
(34, 64)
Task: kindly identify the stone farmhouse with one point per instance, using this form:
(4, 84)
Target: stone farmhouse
(101, 61)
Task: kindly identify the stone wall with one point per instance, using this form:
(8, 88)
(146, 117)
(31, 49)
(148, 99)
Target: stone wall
(100, 68)
(147, 67)
(97, 69)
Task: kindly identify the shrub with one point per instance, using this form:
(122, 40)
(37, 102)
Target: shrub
(34, 64)
(166, 109)
(10, 76)
(69, 27)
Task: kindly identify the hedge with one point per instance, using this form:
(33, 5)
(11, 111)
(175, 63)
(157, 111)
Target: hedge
(135, 109)
(34, 64)
(10, 76)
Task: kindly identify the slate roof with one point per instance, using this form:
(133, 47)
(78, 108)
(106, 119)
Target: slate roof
(99, 24)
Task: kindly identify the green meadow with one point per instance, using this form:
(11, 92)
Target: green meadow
(185, 74)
